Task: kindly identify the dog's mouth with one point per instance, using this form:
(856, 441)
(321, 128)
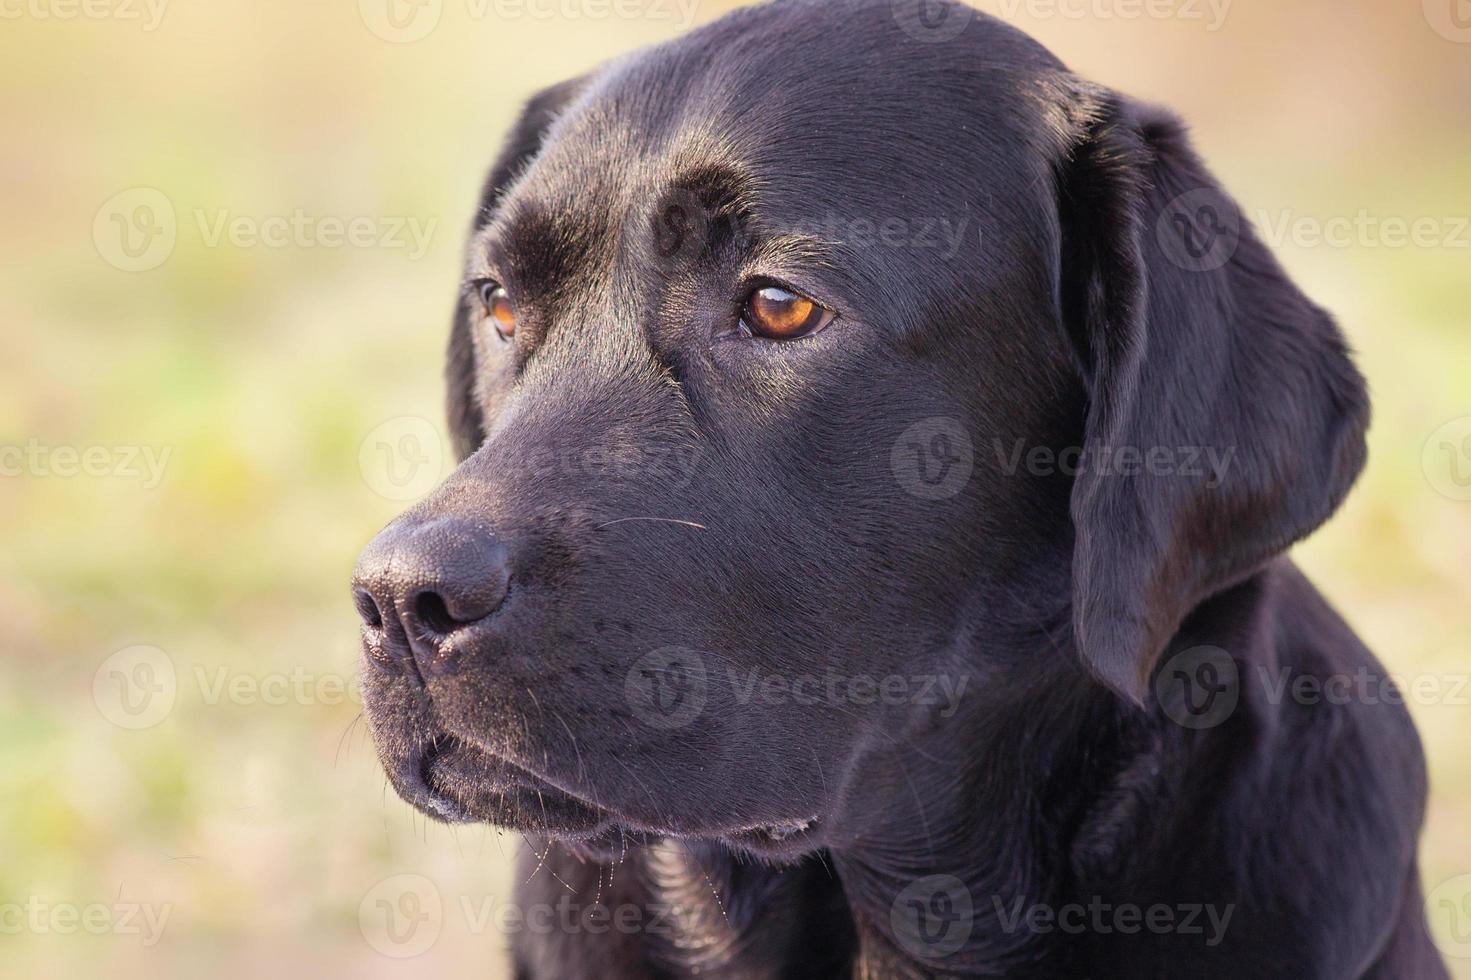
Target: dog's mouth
(459, 783)
(456, 782)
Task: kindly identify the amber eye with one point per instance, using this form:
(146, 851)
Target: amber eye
(498, 308)
(780, 314)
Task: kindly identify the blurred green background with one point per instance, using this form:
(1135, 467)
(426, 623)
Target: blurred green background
(208, 267)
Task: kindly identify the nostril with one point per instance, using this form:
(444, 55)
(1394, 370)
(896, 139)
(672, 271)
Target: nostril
(431, 611)
(367, 608)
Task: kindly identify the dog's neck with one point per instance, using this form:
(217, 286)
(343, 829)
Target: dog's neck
(973, 833)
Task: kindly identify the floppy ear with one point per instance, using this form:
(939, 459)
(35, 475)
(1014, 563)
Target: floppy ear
(1195, 348)
(525, 140)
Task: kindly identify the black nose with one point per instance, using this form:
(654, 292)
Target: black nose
(421, 583)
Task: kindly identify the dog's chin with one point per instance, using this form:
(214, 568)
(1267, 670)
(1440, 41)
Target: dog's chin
(455, 782)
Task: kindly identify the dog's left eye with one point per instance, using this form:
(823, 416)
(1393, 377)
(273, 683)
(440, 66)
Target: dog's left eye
(496, 303)
(780, 314)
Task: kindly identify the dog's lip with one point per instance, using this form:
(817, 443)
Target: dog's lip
(459, 782)
(412, 778)
(480, 786)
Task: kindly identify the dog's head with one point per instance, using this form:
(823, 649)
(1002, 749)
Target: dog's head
(804, 358)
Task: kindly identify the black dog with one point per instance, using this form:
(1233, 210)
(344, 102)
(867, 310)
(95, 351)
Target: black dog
(879, 446)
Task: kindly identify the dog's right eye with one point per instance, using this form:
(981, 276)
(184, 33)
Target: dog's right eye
(497, 307)
(774, 313)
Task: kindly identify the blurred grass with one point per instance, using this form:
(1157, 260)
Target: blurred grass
(262, 370)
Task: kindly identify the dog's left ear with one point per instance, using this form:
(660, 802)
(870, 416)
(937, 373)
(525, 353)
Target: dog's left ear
(1225, 419)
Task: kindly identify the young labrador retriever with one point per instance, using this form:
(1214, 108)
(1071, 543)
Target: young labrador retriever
(879, 449)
